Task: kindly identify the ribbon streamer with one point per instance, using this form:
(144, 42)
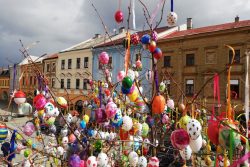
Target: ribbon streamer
(133, 13)
(172, 5)
(241, 160)
(127, 54)
(156, 10)
(247, 98)
(216, 93)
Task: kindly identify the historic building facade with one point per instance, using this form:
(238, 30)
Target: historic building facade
(4, 84)
(193, 56)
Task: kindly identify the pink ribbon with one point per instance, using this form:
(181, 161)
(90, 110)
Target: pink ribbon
(156, 10)
(216, 91)
(241, 160)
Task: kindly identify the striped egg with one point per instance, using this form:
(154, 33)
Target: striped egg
(3, 132)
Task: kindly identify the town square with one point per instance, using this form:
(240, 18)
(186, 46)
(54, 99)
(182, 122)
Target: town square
(124, 83)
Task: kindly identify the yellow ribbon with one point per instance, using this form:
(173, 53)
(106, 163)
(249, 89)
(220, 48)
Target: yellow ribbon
(127, 54)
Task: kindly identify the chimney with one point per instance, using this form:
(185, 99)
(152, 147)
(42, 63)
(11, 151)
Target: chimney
(97, 36)
(122, 29)
(236, 19)
(189, 23)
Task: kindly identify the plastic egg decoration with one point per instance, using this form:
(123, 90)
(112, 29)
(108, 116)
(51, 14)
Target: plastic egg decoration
(152, 46)
(162, 87)
(172, 18)
(154, 36)
(184, 121)
(100, 115)
(102, 159)
(65, 140)
(133, 158)
(28, 128)
(64, 132)
(127, 82)
(157, 53)
(62, 102)
(118, 16)
(196, 144)
(19, 97)
(194, 129)
(145, 39)
(91, 161)
(131, 74)
(158, 104)
(135, 39)
(127, 123)
(145, 129)
(117, 119)
(111, 109)
(153, 162)
(180, 139)
(74, 160)
(142, 161)
(3, 132)
(170, 104)
(69, 118)
(40, 102)
(104, 58)
(186, 153)
(165, 119)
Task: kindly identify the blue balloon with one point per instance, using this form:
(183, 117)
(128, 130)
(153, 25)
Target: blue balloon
(125, 91)
(83, 124)
(145, 39)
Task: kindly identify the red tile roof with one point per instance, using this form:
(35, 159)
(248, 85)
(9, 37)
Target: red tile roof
(207, 29)
(52, 56)
(140, 33)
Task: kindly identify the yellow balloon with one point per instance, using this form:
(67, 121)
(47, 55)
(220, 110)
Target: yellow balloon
(86, 118)
(183, 121)
(133, 96)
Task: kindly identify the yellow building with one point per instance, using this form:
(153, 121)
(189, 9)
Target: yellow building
(193, 56)
(4, 84)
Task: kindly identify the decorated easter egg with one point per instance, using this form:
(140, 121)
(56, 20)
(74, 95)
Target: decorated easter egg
(157, 53)
(165, 119)
(154, 35)
(3, 132)
(104, 58)
(170, 104)
(158, 104)
(83, 124)
(49, 109)
(39, 102)
(127, 82)
(62, 102)
(194, 129)
(162, 87)
(65, 140)
(69, 118)
(120, 76)
(186, 153)
(27, 153)
(60, 150)
(172, 18)
(145, 39)
(111, 109)
(152, 46)
(50, 121)
(131, 74)
(102, 160)
(142, 161)
(19, 97)
(64, 132)
(133, 158)
(145, 129)
(184, 121)
(74, 160)
(100, 115)
(180, 139)
(127, 123)
(117, 119)
(86, 118)
(153, 162)
(118, 16)
(91, 161)
(28, 128)
(135, 39)
(72, 138)
(133, 96)
(196, 144)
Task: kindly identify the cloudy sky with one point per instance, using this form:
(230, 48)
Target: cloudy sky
(59, 24)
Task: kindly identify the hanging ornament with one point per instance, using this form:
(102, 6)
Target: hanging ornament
(74, 161)
(172, 16)
(111, 109)
(133, 158)
(196, 144)
(118, 16)
(152, 46)
(184, 121)
(213, 131)
(180, 139)
(127, 82)
(127, 123)
(145, 39)
(131, 74)
(102, 159)
(100, 115)
(158, 104)
(145, 129)
(60, 151)
(135, 39)
(154, 36)
(19, 97)
(62, 102)
(153, 162)
(170, 104)
(117, 120)
(120, 76)
(186, 153)
(162, 87)
(28, 128)
(157, 53)
(194, 129)
(142, 161)
(3, 132)
(49, 109)
(104, 58)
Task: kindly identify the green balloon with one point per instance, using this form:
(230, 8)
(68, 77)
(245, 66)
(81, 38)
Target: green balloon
(127, 82)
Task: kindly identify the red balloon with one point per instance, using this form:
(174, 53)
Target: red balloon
(118, 16)
(152, 46)
(157, 53)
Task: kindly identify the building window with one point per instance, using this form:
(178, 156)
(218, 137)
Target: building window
(189, 87)
(31, 79)
(69, 63)
(85, 83)
(68, 83)
(236, 58)
(190, 60)
(235, 88)
(62, 83)
(138, 56)
(77, 83)
(48, 67)
(53, 68)
(86, 62)
(78, 63)
(63, 64)
(167, 61)
(53, 82)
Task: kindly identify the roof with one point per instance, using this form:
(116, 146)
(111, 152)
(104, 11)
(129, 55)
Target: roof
(52, 56)
(207, 29)
(5, 73)
(30, 58)
(140, 33)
